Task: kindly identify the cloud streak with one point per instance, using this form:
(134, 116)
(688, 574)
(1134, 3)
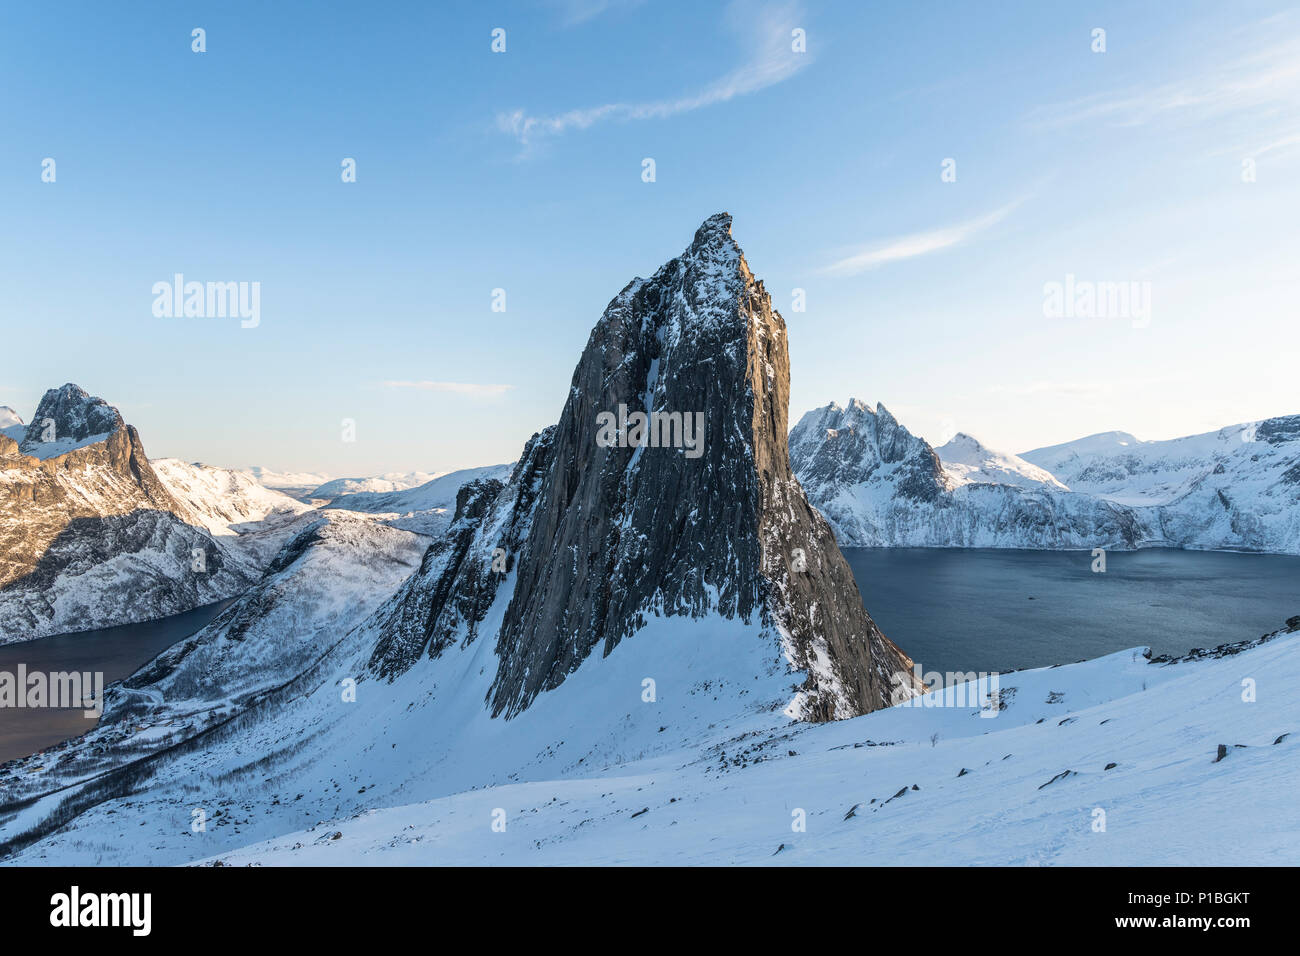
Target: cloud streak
(765, 35)
(916, 244)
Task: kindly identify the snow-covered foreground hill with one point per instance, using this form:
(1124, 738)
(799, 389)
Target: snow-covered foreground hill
(597, 775)
(1107, 762)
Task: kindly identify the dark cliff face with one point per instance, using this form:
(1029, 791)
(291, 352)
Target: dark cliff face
(834, 447)
(603, 530)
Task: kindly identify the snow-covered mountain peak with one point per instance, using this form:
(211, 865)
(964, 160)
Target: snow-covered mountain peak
(589, 540)
(67, 418)
(966, 458)
(11, 425)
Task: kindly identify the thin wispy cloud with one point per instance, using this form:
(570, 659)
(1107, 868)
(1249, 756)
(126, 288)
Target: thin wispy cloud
(574, 12)
(765, 34)
(455, 388)
(1259, 89)
(916, 244)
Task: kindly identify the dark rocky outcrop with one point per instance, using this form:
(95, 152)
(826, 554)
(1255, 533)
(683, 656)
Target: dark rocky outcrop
(601, 534)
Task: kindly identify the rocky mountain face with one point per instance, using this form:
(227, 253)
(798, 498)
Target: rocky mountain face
(89, 536)
(692, 513)
(881, 486)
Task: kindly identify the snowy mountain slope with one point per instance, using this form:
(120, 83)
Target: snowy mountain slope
(11, 425)
(707, 587)
(596, 534)
(379, 484)
(90, 536)
(601, 776)
(226, 502)
(966, 460)
(881, 486)
(1235, 488)
(427, 508)
(295, 484)
(1119, 769)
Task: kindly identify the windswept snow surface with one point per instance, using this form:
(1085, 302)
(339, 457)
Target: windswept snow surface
(875, 790)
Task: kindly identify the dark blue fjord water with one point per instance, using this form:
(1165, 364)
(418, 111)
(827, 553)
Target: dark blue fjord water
(1002, 610)
(116, 651)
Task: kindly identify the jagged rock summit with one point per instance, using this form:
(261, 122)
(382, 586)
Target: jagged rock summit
(685, 507)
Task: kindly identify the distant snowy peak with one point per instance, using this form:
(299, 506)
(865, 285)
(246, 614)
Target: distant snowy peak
(90, 536)
(298, 484)
(427, 508)
(379, 484)
(1250, 458)
(1236, 488)
(966, 459)
(11, 425)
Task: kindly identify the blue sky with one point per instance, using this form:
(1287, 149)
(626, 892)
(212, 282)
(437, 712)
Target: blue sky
(522, 171)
